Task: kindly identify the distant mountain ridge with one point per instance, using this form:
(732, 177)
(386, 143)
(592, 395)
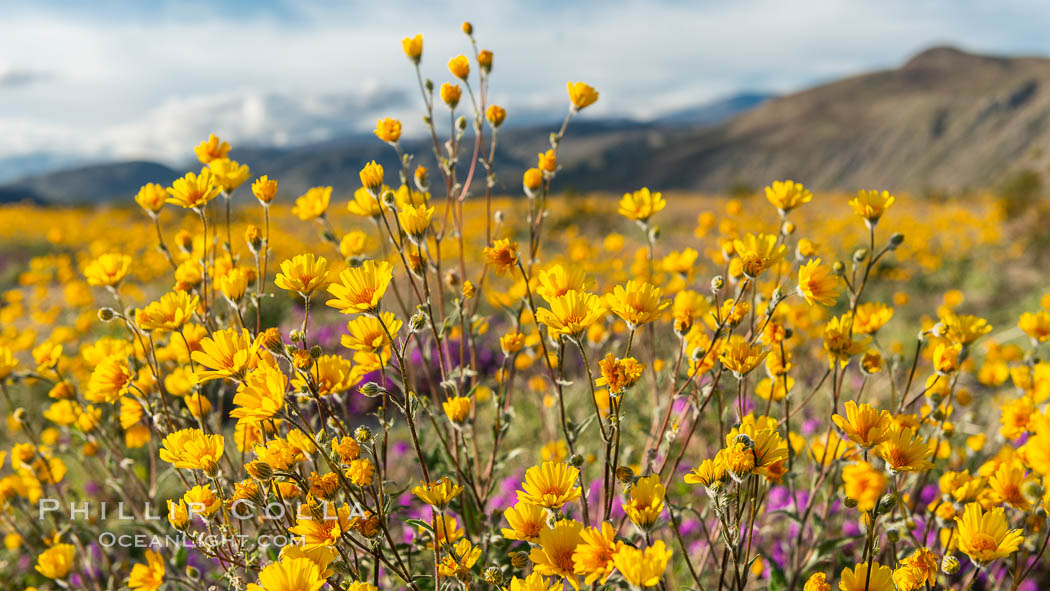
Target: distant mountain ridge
(946, 119)
(337, 162)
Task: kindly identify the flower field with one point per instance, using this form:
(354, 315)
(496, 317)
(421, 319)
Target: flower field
(423, 382)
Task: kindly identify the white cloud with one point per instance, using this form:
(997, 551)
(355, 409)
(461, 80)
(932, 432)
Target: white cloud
(148, 81)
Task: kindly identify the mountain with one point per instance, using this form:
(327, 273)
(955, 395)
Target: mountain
(91, 184)
(944, 120)
(716, 111)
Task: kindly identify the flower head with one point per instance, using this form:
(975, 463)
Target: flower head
(261, 395)
(581, 95)
(110, 380)
(645, 502)
(526, 521)
(459, 66)
(290, 574)
(450, 94)
(817, 283)
(264, 190)
(191, 449)
(864, 425)
(985, 537)
(56, 561)
(108, 269)
(388, 130)
(495, 115)
(360, 289)
(503, 255)
(170, 312)
(149, 576)
(313, 203)
(593, 556)
(556, 547)
(303, 274)
(787, 195)
(438, 494)
(413, 47)
(640, 205)
(642, 568)
(905, 451)
(858, 578)
(550, 485)
(227, 353)
(870, 205)
(415, 220)
(151, 197)
(758, 253)
(571, 313)
(229, 174)
(619, 374)
(211, 149)
(194, 191)
(372, 177)
(637, 303)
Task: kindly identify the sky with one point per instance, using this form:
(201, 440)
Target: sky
(119, 79)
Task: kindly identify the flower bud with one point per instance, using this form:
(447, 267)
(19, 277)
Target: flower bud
(106, 314)
(316, 351)
(717, 283)
(371, 389)
(461, 123)
(850, 503)
(746, 440)
(576, 460)
(887, 503)
(860, 254)
(519, 559)
(468, 28)
(493, 576)
(417, 322)
(388, 198)
(485, 59)
(896, 240)
(839, 268)
(259, 470)
(253, 237)
(363, 434)
(949, 564)
(624, 474)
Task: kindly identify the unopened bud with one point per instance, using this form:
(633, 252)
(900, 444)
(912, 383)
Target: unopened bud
(461, 123)
(850, 503)
(896, 240)
(839, 268)
(624, 474)
(363, 434)
(887, 504)
(746, 440)
(576, 460)
(417, 322)
(371, 389)
(860, 254)
(106, 314)
(519, 559)
(949, 564)
(493, 576)
(388, 198)
(259, 470)
(316, 351)
(717, 283)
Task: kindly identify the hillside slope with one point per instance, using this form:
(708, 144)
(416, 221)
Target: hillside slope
(946, 119)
